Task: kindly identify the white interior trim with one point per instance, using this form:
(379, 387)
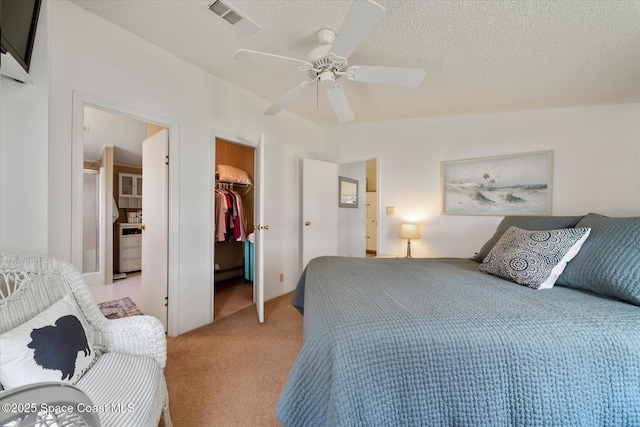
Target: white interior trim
(375, 157)
(80, 100)
(239, 140)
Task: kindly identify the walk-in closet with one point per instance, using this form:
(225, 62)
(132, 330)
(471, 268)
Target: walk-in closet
(233, 227)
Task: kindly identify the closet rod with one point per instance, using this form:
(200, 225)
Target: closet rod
(223, 185)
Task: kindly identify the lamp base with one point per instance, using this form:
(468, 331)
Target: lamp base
(408, 249)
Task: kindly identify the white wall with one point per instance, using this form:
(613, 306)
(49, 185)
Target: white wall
(93, 56)
(24, 152)
(596, 167)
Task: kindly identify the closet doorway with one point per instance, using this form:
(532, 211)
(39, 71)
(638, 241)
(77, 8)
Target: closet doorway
(234, 251)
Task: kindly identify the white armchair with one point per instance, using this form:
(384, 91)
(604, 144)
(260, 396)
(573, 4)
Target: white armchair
(125, 382)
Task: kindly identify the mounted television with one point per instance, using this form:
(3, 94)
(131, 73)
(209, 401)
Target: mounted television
(18, 21)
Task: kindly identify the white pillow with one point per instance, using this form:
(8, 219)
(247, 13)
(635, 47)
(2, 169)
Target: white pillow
(534, 258)
(228, 173)
(53, 346)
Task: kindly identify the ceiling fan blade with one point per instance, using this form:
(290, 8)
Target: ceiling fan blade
(340, 103)
(270, 59)
(292, 95)
(358, 23)
(409, 77)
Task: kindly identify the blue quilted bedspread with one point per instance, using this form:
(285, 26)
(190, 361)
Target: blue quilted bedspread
(434, 342)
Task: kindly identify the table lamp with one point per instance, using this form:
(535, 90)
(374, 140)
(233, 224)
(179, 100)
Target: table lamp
(409, 231)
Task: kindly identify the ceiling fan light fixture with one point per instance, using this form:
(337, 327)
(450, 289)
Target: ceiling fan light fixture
(327, 78)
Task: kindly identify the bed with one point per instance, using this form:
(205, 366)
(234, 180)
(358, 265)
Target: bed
(438, 342)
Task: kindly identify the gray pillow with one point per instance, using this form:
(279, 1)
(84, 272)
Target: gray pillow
(526, 223)
(609, 261)
(534, 258)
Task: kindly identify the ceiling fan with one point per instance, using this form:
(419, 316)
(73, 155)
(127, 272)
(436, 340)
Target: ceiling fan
(328, 62)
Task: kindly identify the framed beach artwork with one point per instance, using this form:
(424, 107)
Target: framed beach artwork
(518, 184)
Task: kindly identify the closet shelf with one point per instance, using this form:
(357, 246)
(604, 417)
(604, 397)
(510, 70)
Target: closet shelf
(221, 185)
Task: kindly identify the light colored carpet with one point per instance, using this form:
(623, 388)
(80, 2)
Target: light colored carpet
(231, 372)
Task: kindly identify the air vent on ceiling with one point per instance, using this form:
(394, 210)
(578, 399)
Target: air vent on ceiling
(232, 16)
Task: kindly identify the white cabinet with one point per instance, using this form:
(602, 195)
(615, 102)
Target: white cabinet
(130, 185)
(129, 190)
(129, 247)
(372, 221)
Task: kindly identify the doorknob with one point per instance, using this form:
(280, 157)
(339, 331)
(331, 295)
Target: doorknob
(141, 227)
(256, 227)
(308, 223)
(266, 227)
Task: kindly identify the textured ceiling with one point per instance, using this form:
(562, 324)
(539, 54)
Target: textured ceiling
(479, 56)
(124, 134)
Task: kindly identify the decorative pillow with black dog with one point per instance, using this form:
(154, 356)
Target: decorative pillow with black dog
(53, 346)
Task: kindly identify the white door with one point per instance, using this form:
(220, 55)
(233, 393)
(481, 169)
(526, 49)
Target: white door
(155, 194)
(319, 209)
(260, 229)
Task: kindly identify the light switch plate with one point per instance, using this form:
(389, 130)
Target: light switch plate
(390, 210)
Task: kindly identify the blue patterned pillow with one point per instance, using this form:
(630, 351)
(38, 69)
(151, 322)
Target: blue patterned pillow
(526, 222)
(532, 257)
(609, 262)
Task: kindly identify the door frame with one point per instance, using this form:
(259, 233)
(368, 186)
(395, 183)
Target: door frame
(80, 100)
(238, 140)
(375, 157)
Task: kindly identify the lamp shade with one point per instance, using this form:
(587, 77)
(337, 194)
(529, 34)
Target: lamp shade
(409, 231)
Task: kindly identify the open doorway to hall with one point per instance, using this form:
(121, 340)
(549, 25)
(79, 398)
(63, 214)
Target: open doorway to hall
(358, 225)
(371, 208)
(234, 208)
